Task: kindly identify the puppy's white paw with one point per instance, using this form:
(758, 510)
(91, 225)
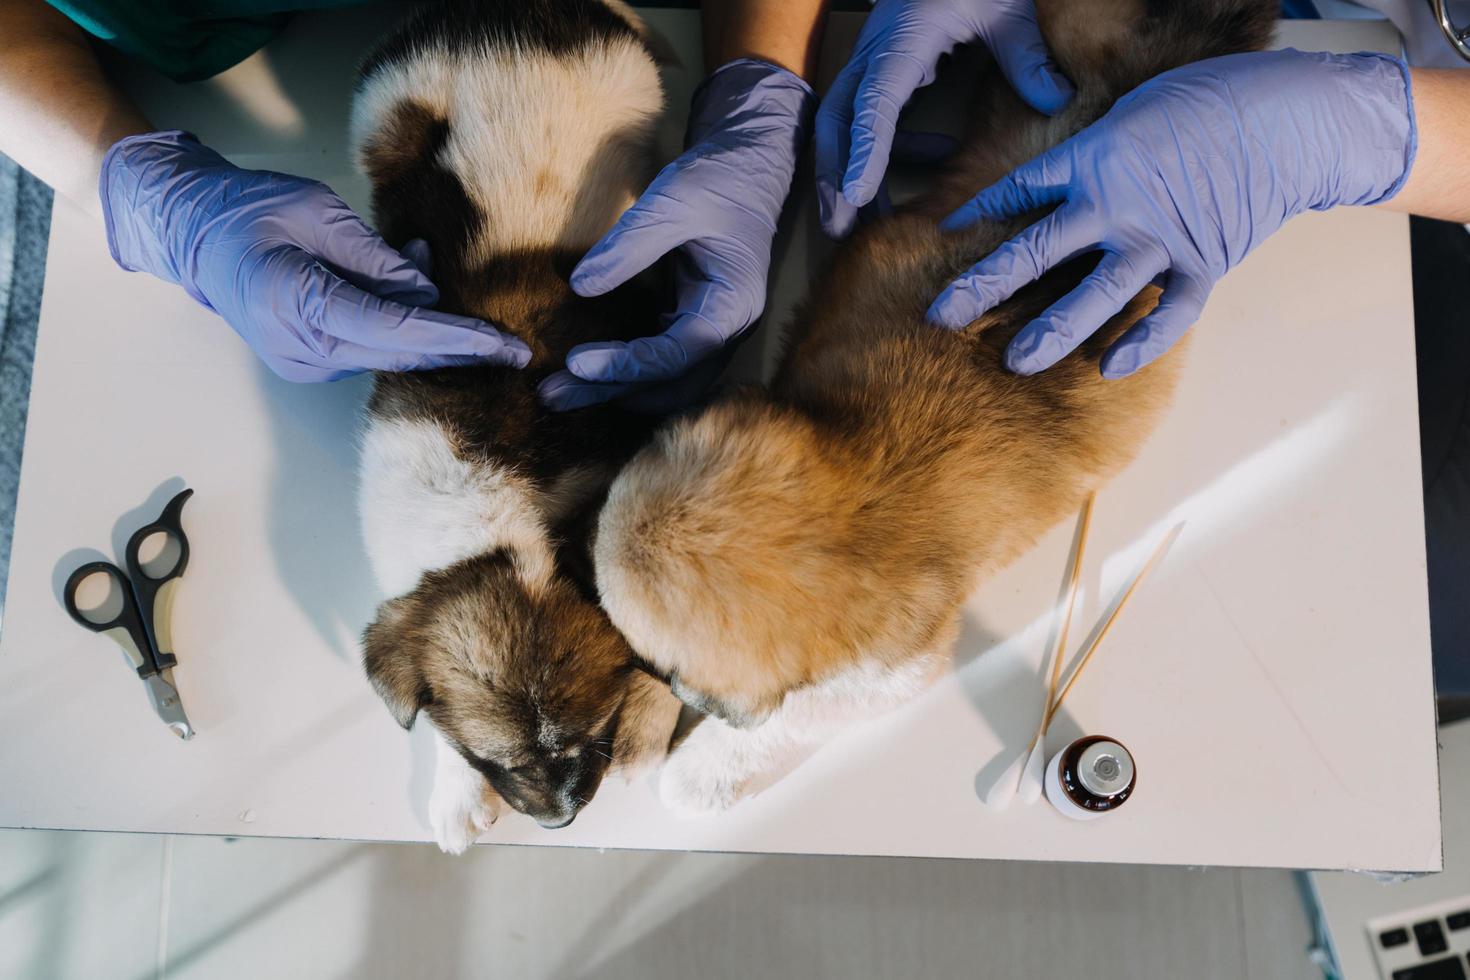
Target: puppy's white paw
(460, 809)
(701, 777)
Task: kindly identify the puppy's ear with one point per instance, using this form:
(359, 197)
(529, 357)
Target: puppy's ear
(392, 667)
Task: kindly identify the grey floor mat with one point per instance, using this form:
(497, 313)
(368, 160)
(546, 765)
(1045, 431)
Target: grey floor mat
(25, 224)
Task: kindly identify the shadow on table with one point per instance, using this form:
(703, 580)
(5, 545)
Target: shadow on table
(312, 511)
(316, 540)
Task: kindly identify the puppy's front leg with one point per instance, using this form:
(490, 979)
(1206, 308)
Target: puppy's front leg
(645, 727)
(462, 805)
(718, 763)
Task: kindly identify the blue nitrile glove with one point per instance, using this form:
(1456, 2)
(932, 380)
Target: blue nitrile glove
(896, 53)
(715, 209)
(1182, 179)
(313, 291)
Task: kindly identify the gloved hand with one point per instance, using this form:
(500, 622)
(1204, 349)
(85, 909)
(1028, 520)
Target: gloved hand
(715, 208)
(313, 291)
(1182, 179)
(896, 53)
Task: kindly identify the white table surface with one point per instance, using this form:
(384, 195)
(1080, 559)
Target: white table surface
(1273, 678)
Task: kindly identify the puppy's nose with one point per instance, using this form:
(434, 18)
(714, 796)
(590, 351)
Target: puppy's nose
(556, 823)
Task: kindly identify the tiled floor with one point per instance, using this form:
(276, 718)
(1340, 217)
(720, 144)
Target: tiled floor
(136, 907)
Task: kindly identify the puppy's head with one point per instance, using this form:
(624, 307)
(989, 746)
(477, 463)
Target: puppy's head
(527, 681)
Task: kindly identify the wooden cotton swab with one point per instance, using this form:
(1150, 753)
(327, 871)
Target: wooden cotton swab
(1153, 560)
(1030, 783)
(1034, 771)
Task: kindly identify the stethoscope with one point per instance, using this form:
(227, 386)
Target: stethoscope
(1459, 38)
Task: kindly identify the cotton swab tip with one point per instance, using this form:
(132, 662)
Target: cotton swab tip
(1003, 790)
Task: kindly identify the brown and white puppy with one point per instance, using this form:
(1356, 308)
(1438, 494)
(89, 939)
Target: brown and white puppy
(508, 135)
(795, 557)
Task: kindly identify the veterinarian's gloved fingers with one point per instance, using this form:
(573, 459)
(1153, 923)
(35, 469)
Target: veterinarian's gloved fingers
(348, 247)
(908, 147)
(1027, 257)
(444, 335)
(1192, 170)
(342, 311)
(716, 208)
(591, 361)
(1038, 184)
(416, 250)
(345, 358)
(833, 139)
(563, 391)
(1180, 306)
(1076, 316)
(918, 147)
(887, 87)
(681, 392)
(283, 260)
(644, 234)
(836, 213)
(690, 340)
(1016, 42)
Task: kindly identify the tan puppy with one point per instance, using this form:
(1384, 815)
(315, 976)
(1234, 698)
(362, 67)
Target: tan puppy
(795, 557)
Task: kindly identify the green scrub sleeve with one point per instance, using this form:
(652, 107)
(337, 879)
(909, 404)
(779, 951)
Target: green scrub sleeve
(187, 39)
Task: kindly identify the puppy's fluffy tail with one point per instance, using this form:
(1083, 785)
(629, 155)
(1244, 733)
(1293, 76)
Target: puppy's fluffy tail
(714, 541)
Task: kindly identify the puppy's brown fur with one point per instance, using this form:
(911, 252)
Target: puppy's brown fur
(845, 512)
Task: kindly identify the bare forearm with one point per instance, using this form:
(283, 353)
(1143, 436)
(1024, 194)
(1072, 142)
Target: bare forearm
(1439, 184)
(785, 32)
(58, 113)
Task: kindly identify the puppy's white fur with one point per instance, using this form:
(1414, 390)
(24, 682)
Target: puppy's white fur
(424, 508)
(462, 805)
(717, 764)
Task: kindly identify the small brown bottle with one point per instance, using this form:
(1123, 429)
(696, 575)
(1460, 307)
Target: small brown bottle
(1092, 776)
